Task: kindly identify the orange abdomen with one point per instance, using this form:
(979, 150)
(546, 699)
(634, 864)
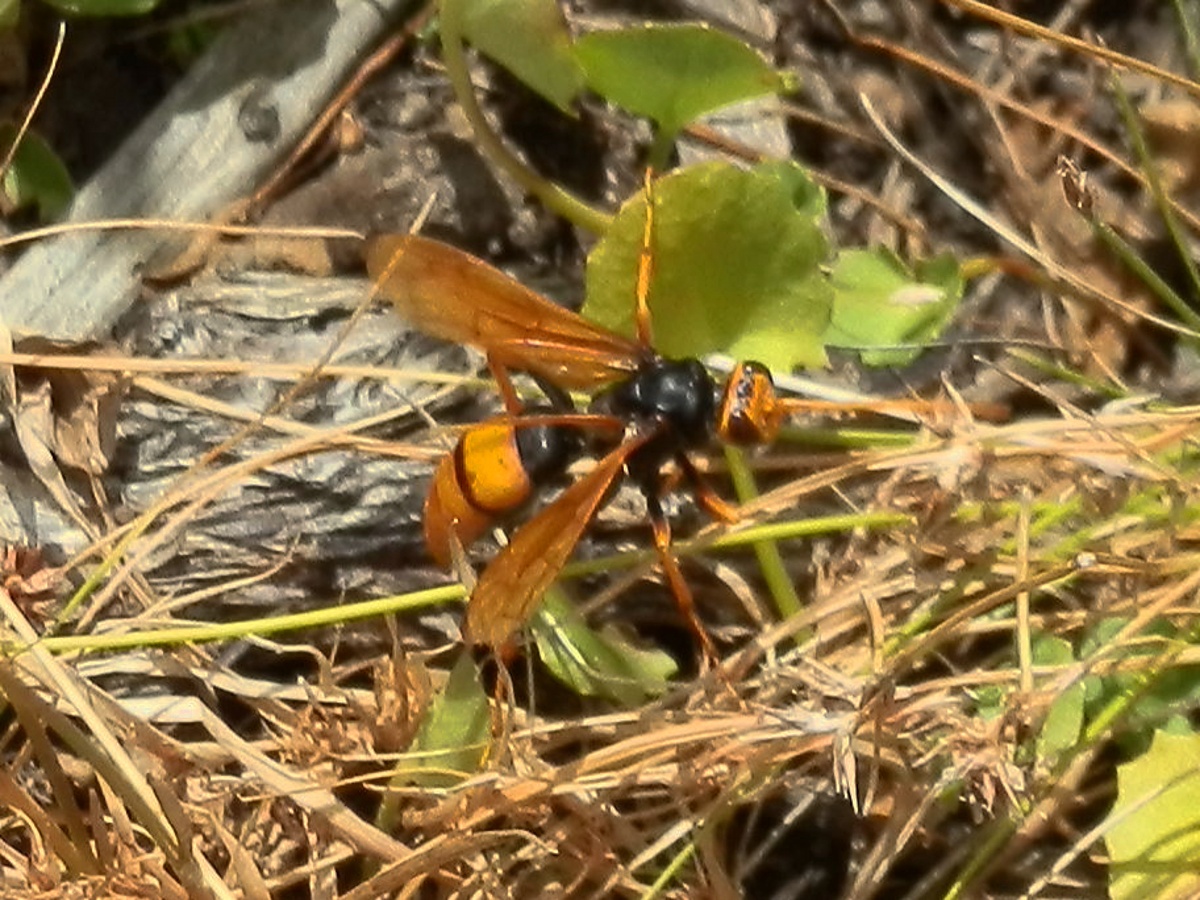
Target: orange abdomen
(483, 479)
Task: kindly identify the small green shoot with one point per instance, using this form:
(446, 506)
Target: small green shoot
(1063, 724)
(737, 265)
(551, 194)
(1154, 840)
(529, 38)
(454, 735)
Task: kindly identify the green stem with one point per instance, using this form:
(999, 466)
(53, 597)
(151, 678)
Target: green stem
(779, 583)
(1186, 13)
(1149, 168)
(660, 150)
(551, 195)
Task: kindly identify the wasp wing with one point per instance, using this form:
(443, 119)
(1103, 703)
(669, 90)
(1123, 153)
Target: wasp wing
(509, 589)
(455, 296)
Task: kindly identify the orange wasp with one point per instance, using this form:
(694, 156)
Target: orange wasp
(653, 411)
(669, 404)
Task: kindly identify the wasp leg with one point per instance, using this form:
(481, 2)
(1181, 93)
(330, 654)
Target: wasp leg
(504, 384)
(712, 502)
(661, 529)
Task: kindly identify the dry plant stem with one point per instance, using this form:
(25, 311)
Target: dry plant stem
(989, 94)
(74, 847)
(162, 610)
(135, 528)
(37, 235)
(291, 393)
(203, 488)
(552, 196)
(429, 857)
(1067, 279)
(279, 371)
(375, 63)
(1024, 636)
(999, 839)
(904, 657)
(1030, 29)
(306, 793)
(183, 397)
(37, 101)
(48, 670)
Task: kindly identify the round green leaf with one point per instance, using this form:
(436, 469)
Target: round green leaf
(674, 73)
(879, 304)
(737, 265)
(530, 39)
(1154, 841)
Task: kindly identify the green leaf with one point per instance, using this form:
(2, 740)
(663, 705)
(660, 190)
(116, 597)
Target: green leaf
(455, 732)
(737, 265)
(530, 39)
(990, 701)
(37, 177)
(1152, 696)
(1154, 840)
(674, 73)
(103, 7)
(1064, 722)
(596, 664)
(879, 304)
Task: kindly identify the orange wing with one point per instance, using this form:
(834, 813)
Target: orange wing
(511, 586)
(454, 296)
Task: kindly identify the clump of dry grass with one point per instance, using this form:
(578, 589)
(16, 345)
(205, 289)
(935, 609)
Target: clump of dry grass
(879, 701)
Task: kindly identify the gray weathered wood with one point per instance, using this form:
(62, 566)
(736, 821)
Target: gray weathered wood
(207, 145)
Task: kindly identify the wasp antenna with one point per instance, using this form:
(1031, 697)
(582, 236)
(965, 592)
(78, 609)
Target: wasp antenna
(645, 268)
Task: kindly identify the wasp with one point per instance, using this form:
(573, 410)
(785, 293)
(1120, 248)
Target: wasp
(648, 411)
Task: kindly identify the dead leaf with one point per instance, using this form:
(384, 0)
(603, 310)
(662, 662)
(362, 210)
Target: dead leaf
(82, 406)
